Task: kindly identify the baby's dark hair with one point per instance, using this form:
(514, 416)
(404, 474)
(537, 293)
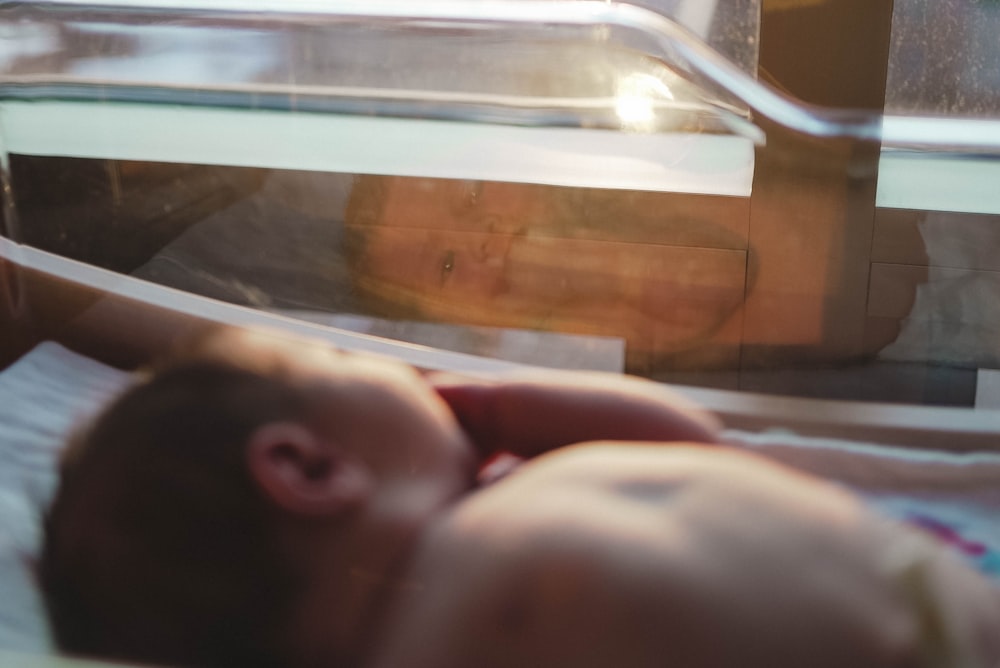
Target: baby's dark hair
(158, 546)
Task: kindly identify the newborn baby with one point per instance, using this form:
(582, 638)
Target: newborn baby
(265, 501)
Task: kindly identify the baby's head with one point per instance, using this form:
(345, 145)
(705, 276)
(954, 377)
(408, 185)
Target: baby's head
(248, 504)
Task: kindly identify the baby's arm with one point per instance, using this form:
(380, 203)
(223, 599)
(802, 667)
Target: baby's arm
(527, 415)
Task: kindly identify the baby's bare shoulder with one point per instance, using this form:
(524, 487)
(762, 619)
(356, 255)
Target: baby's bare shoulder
(508, 587)
(618, 544)
(514, 574)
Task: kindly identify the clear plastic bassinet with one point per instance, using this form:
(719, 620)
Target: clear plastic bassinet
(583, 184)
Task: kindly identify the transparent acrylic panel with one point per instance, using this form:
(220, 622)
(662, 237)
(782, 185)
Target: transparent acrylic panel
(576, 184)
(732, 27)
(933, 285)
(933, 282)
(523, 62)
(374, 249)
(945, 58)
(165, 51)
(427, 169)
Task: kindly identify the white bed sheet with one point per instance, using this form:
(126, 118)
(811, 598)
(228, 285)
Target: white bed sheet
(42, 396)
(51, 389)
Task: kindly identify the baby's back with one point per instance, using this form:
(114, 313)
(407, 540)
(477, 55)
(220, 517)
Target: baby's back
(629, 555)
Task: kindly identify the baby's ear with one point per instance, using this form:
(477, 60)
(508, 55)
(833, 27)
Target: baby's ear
(303, 473)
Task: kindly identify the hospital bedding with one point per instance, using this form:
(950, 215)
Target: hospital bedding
(44, 394)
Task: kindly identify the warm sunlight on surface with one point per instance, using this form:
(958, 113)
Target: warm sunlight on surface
(636, 100)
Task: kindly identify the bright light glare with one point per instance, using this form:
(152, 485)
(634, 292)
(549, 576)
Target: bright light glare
(635, 102)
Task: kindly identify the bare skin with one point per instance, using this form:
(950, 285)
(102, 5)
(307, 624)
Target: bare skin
(628, 555)
(608, 547)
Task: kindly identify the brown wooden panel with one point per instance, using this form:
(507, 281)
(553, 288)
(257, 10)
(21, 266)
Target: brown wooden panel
(666, 301)
(580, 213)
(664, 271)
